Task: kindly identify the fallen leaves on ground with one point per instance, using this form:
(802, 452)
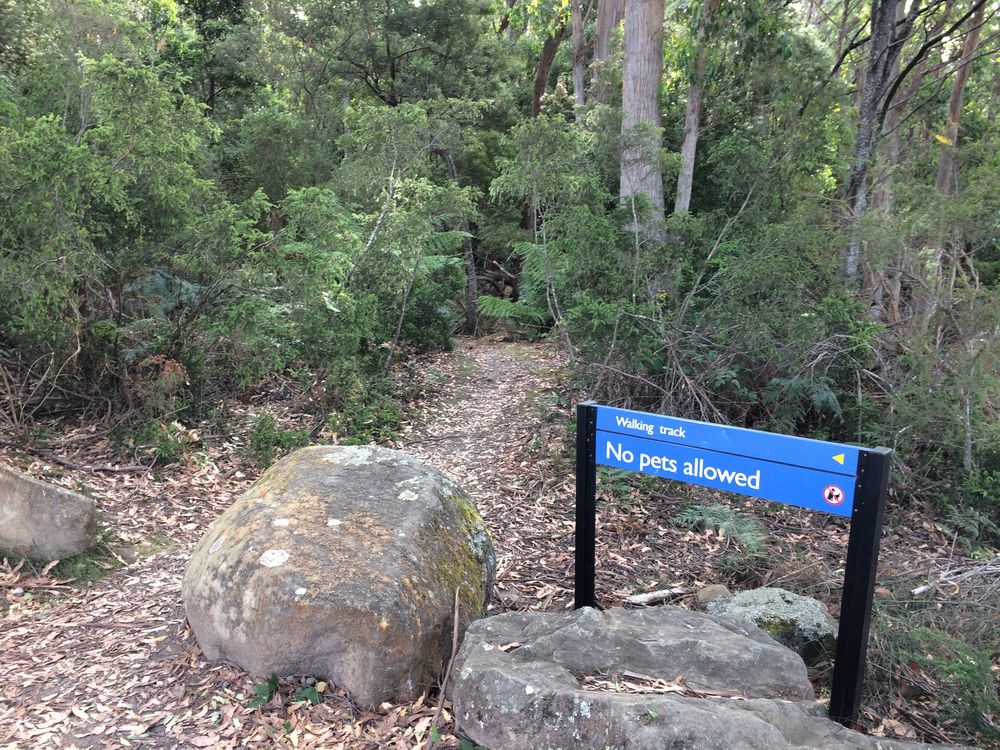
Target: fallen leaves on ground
(113, 664)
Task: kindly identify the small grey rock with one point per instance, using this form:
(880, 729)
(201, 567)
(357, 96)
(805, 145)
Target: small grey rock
(800, 623)
(711, 593)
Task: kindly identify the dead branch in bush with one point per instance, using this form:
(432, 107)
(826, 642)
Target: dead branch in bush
(24, 397)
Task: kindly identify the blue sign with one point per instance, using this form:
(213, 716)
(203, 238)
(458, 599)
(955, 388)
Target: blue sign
(797, 471)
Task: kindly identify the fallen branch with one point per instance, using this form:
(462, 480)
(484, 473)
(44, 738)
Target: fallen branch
(655, 597)
(17, 585)
(55, 458)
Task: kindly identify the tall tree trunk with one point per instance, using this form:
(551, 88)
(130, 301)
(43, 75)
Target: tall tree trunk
(940, 272)
(542, 70)
(947, 176)
(544, 67)
(505, 26)
(579, 50)
(884, 286)
(883, 195)
(883, 50)
(878, 88)
(692, 115)
(609, 15)
(641, 136)
(471, 285)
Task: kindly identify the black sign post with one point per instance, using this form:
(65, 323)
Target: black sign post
(586, 504)
(738, 460)
(859, 584)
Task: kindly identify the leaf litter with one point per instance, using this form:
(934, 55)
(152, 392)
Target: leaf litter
(112, 664)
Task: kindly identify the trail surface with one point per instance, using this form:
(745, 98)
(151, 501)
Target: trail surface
(114, 664)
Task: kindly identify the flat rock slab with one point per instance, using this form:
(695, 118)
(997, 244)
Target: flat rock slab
(722, 685)
(43, 521)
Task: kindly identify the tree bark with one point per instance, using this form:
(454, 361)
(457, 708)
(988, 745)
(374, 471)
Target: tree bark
(609, 15)
(884, 48)
(544, 67)
(940, 271)
(947, 176)
(883, 194)
(879, 87)
(692, 114)
(471, 284)
(579, 50)
(641, 137)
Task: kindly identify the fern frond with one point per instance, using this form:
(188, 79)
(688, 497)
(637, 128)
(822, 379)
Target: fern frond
(517, 312)
(746, 532)
(444, 242)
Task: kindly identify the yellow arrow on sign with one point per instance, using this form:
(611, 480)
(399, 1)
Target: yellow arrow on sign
(839, 458)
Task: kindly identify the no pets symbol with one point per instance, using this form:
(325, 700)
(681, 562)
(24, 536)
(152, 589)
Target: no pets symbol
(833, 494)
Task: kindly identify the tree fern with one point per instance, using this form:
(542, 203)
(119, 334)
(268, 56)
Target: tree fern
(793, 398)
(439, 243)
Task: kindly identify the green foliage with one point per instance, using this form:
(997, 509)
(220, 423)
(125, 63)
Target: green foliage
(310, 694)
(746, 532)
(264, 692)
(79, 570)
(268, 440)
(366, 410)
(794, 398)
(432, 314)
(164, 442)
(618, 486)
(967, 524)
(519, 314)
(962, 677)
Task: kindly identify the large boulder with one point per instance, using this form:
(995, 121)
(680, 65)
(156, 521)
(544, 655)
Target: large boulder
(801, 623)
(42, 521)
(649, 679)
(342, 563)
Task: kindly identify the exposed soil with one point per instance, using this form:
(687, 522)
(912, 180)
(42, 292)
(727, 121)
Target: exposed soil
(113, 664)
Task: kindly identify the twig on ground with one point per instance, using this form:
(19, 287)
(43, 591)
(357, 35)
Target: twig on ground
(55, 458)
(19, 585)
(447, 672)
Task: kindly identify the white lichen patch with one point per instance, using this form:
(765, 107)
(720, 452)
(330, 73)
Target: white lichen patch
(585, 709)
(281, 522)
(333, 522)
(216, 544)
(300, 591)
(487, 647)
(272, 558)
(528, 690)
(350, 455)
(408, 496)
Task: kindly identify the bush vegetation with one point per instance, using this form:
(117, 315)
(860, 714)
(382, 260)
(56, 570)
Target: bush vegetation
(198, 198)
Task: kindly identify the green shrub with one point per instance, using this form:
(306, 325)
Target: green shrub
(267, 440)
(367, 411)
(956, 676)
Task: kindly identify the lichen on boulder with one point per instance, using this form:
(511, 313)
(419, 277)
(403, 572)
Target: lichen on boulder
(798, 622)
(342, 563)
